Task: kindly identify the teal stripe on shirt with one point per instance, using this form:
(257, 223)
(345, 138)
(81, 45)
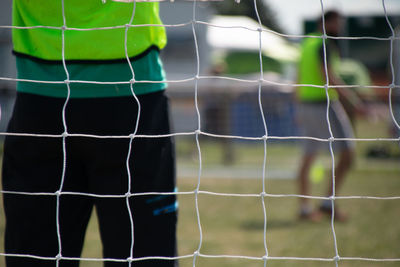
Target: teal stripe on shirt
(146, 68)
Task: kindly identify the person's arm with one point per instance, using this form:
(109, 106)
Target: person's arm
(344, 93)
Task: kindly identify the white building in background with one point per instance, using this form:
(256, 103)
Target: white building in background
(241, 33)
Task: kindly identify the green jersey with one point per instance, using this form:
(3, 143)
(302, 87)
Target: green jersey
(310, 71)
(85, 41)
(95, 56)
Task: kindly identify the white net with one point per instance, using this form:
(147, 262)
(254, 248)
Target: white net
(196, 78)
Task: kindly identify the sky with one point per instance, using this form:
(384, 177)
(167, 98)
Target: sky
(291, 13)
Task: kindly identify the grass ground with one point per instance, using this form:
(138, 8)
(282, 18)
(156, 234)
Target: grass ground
(235, 225)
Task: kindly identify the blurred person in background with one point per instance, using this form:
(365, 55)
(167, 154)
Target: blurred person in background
(312, 114)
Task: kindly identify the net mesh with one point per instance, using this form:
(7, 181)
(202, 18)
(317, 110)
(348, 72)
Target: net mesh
(259, 81)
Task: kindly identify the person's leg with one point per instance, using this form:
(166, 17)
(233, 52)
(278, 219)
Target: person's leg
(31, 228)
(345, 161)
(306, 210)
(34, 165)
(153, 224)
(155, 216)
(303, 177)
(151, 169)
(341, 128)
(313, 124)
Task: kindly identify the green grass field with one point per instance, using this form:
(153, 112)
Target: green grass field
(235, 225)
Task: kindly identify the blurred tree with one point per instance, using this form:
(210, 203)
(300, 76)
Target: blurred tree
(246, 8)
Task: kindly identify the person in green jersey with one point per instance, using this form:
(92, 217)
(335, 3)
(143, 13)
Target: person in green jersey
(54, 176)
(315, 68)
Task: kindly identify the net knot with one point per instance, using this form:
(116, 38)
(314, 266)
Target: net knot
(336, 258)
(331, 139)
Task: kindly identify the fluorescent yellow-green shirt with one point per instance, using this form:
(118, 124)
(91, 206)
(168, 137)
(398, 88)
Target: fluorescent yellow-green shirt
(45, 43)
(310, 72)
(91, 55)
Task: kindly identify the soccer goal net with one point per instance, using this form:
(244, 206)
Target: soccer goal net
(233, 85)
